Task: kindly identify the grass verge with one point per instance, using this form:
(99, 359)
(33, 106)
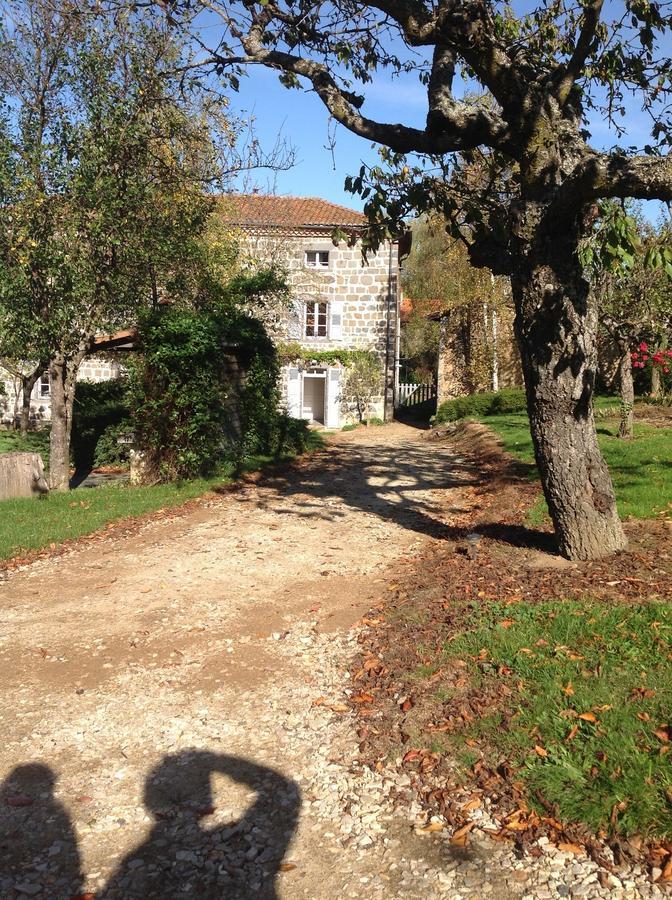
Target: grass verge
(588, 690)
(29, 524)
(641, 469)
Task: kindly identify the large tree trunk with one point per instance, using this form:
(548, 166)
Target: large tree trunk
(556, 324)
(63, 371)
(627, 389)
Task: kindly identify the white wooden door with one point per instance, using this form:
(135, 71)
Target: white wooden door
(332, 400)
(294, 392)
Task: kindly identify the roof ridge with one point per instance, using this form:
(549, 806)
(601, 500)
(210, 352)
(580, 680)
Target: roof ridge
(291, 210)
(314, 197)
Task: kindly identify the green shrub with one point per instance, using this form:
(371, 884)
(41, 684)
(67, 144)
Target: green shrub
(190, 411)
(97, 408)
(509, 400)
(109, 452)
(293, 436)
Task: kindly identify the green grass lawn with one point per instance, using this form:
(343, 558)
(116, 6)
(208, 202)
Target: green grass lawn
(586, 719)
(641, 469)
(33, 523)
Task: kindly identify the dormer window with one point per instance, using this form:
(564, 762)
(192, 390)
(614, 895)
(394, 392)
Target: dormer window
(317, 259)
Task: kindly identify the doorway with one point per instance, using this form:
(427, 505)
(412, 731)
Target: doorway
(314, 382)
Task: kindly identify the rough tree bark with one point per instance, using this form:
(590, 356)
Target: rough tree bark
(63, 371)
(556, 326)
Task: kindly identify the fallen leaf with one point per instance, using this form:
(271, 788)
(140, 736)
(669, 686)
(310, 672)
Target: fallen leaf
(572, 848)
(460, 837)
(588, 717)
(569, 690)
(471, 805)
(573, 731)
(287, 867)
(507, 623)
(410, 756)
(667, 871)
(663, 733)
(540, 751)
(430, 828)
(362, 698)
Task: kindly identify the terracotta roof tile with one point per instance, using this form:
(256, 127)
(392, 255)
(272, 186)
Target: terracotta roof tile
(264, 210)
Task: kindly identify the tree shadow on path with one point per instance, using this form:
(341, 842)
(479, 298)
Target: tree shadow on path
(396, 483)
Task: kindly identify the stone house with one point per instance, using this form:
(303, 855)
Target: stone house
(339, 301)
(474, 359)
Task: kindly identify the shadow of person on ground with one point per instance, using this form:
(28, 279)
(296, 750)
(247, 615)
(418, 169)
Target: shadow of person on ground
(182, 858)
(38, 847)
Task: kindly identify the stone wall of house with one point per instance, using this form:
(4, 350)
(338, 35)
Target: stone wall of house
(363, 286)
(95, 368)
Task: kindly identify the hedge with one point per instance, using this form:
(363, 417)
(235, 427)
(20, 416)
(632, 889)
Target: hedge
(509, 400)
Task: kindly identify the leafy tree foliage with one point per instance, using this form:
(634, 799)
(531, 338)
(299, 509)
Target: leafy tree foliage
(361, 385)
(631, 266)
(513, 170)
(439, 278)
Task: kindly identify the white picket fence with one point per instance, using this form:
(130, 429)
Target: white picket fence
(412, 394)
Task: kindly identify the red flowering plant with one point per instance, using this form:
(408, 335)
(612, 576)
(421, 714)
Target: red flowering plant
(660, 360)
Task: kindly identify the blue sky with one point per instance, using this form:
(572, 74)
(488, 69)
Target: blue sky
(301, 118)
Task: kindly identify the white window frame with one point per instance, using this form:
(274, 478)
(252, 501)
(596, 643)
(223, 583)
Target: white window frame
(317, 259)
(44, 386)
(316, 314)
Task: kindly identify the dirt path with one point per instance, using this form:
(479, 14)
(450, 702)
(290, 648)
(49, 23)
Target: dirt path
(161, 735)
